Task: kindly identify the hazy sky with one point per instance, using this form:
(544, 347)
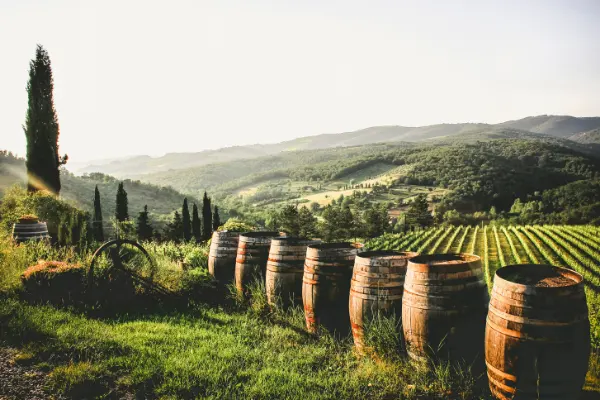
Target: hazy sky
(145, 77)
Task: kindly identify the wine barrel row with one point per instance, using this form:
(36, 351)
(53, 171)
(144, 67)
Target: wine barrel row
(536, 323)
(222, 255)
(285, 269)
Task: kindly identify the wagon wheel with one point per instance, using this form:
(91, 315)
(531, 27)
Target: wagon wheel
(125, 257)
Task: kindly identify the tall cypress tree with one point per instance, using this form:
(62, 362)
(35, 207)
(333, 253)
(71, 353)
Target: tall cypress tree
(196, 226)
(143, 228)
(121, 211)
(97, 229)
(216, 219)
(174, 230)
(41, 127)
(206, 218)
(187, 223)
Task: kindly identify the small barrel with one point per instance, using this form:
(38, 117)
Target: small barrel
(285, 270)
(222, 255)
(537, 338)
(23, 231)
(252, 257)
(376, 289)
(444, 308)
(326, 286)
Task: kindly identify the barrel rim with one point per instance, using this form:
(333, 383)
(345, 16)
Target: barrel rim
(440, 259)
(260, 234)
(336, 245)
(387, 253)
(291, 240)
(501, 273)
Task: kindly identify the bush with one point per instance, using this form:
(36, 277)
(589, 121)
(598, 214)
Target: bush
(197, 258)
(54, 281)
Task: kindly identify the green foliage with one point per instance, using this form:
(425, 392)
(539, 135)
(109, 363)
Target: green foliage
(58, 214)
(174, 230)
(196, 224)
(216, 219)
(143, 228)
(41, 127)
(122, 208)
(383, 335)
(206, 218)
(237, 225)
(288, 220)
(307, 223)
(186, 221)
(57, 282)
(418, 213)
(97, 228)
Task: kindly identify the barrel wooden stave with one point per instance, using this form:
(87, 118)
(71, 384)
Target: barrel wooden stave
(30, 231)
(252, 257)
(376, 289)
(326, 286)
(537, 340)
(285, 269)
(444, 308)
(222, 256)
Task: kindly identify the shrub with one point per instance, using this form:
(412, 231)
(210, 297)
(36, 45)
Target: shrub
(196, 258)
(54, 281)
(28, 219)
(198, 285)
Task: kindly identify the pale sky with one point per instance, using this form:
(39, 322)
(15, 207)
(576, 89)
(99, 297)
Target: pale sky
(150, 77)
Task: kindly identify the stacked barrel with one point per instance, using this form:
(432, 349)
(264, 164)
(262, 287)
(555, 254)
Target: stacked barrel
(444, 307)
(376, 289)
(222, 256)
(29, 229)
(252, 257)
(285, 269)
(537, 334)
(326, 286)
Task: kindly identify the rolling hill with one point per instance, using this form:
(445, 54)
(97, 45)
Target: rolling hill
(563, 127)
(161, 201)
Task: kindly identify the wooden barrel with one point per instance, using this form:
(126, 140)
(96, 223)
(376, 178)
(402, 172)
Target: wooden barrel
(537, 338)
(252, 257)
(285, 270)
(444, 307)
(222, 255)
(376, 289)
(326, 286)
(30, 231)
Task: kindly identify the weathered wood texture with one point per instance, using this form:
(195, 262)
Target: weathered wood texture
(222, 256)
(537, 340)
(30, 231)
(285, 270)
(326, 286)
(376, 289)
(252, 256)
(444, 307)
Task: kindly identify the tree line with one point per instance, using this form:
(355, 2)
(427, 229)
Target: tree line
(184, 227)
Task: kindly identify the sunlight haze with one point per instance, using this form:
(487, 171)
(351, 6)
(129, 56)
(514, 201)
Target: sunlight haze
(149, 77)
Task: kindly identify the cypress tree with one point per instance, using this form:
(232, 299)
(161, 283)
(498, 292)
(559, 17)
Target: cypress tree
(216, 219)
(418, 213)
(174, 230)
(206, 218)
(98, 230)
(187, 223)
(121, 211)
(41, 127)
(144, 229)
(196, 226)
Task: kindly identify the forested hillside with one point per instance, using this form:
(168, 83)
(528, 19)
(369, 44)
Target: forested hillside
(564, 127)
(161, 201)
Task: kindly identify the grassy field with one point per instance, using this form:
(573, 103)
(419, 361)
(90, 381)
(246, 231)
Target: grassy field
(227, 349)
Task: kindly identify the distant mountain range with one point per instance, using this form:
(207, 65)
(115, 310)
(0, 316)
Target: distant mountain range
(583, 130)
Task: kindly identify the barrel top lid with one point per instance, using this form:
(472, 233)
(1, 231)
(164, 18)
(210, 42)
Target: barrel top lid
(260, 234)
(387, 253)
(291, 240)
(539, 275)
(337, 245)
(444, 259)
